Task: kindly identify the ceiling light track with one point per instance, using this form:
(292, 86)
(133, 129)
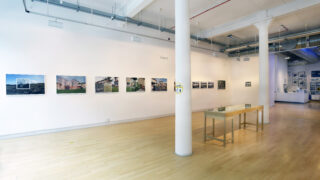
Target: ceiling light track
(108, 28)
(207, 10)
(112, 16)
(293, 36)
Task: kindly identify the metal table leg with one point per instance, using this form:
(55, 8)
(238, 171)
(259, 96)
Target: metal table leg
(245, 120)
(213, 124)
(262, 119)
(239, 121)
(205, 129)
(232, 132)
(257, 120)
(224, 133)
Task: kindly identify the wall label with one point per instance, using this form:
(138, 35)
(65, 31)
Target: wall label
(179, 88)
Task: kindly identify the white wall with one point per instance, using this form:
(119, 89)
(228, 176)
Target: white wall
(241, 72)
(29, 46)
(281, 73)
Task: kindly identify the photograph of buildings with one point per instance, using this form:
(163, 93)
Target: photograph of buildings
(107, 84)
(18, 84)
(210, 85)
(221, 84)
(195, 85)
(71, 84)
(248, 84)
(159, 84)
(204, 85)
(135, 84)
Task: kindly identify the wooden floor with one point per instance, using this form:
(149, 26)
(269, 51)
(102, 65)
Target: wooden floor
(289, 149)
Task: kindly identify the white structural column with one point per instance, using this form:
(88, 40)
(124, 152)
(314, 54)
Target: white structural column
(264, 93)
(183, 121)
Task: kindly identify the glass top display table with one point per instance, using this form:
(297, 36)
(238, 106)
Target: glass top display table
(228, 112)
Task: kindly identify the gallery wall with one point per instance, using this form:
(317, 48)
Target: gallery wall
(29, 46)
(281, 73)
(307, 68)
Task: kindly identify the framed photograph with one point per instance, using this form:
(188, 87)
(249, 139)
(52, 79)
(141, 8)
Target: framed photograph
(106, 84)
(195, 85)
(221, 84)
(315, 74)
(204, 85)
(19, 84)
(302, 84)
(248, 84)
(302, 74)
(295, 75)
(159, 84)
(210, 85)
(71, 84)
(135, 84)
(295, 82)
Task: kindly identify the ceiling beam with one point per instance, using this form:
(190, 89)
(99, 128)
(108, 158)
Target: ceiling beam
(134, 7)
(257, 17)
(306, 54)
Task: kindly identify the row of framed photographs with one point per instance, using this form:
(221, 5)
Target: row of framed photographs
(209, 85)
(19, 84)
(298, 79)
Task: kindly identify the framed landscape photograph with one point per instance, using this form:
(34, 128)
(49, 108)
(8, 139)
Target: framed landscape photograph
(19, 84)
(210, 85)
(135, 84)
(106, 84)
(71, 84)
(159, 84)
(204, 85)
(195, 85)
(248, 84)
(221, 84)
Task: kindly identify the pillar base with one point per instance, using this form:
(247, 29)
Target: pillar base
(183, 155)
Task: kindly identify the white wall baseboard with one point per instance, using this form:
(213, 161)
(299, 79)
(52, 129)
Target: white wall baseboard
(47, 131)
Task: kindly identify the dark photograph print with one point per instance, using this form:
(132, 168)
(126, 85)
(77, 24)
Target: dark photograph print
(221, 84)
(204, 85)
(107, 84)
(19, 84)
(159, 84)
(210, 85)
(248, 84)
(71, 84)
(195, 85)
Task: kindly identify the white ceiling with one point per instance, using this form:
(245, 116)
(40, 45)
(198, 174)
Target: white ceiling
(162, 12)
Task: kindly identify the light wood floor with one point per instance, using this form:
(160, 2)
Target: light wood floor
(289, 149)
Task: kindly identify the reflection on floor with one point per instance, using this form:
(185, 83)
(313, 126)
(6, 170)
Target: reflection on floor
(288, 149)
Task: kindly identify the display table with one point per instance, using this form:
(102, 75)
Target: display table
(226, 113)
(294, 97)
